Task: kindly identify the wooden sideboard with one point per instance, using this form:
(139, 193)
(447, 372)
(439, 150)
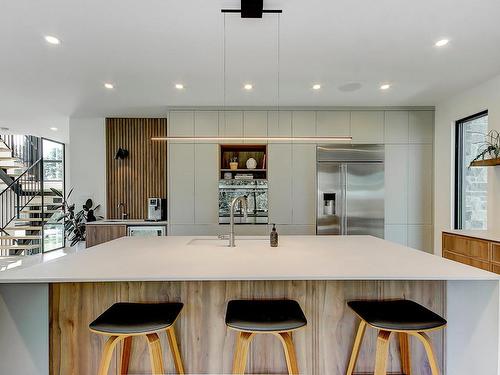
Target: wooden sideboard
(97, 234)
(473, 251)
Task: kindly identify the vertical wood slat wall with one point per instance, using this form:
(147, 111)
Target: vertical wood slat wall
(143, 173)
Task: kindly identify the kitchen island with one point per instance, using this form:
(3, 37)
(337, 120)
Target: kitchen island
(321, 273)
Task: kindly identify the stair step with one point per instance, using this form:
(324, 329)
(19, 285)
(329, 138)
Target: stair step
(21, 219)
(22, 227)
(26, 237)
(36, 211)
(19, 247)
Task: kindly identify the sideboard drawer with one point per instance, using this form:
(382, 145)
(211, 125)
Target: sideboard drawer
(469, 247)
(467, 260)
(495, 252)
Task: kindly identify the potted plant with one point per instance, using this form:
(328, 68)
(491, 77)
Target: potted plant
(233, 163)
(74, 222)
(490, 147)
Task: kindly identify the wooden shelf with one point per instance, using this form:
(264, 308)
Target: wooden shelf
(243, 170)
(485, 163)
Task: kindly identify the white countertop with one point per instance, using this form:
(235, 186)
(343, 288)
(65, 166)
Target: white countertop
(489, 235)
(127, 222)
(177, 258)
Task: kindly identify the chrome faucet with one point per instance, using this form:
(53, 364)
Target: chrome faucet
(244, 207)
(121, 210)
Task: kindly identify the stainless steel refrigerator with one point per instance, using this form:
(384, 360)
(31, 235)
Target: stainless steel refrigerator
(350, 190)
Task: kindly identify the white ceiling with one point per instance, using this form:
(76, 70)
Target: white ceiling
(145, 47)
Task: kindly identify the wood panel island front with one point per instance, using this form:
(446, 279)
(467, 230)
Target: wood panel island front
(46, 303)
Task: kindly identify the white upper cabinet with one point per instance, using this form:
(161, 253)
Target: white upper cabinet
(396, 127)
(279, 124)
(333, 123)
(255, 125)
(206, 123)
(280, 183)
(181, 189)
(181, 123)
(420, 184)
(231, 124)
(304, 184)
(421, 126)
(396, 184)
(206, 198)
(303, 123)
(367, 126)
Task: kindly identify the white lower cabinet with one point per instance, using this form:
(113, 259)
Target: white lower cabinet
(397, 233)
(420, 237)
(181, 189)
(280, 183)
(304, 184)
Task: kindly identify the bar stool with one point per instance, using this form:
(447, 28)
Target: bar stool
(404, 317)
(277, 317)
(123, 321)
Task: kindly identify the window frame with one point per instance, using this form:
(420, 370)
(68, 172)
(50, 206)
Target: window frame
(63, 162)
(459, 166)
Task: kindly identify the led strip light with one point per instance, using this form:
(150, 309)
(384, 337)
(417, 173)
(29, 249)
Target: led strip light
(224, 139)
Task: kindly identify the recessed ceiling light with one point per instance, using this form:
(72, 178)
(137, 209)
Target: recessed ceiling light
(109, 85)
(248, 86)
(52, 39)
(179, 86)
(316, 86)
(442, 42)
(53, 128)
(385, 86)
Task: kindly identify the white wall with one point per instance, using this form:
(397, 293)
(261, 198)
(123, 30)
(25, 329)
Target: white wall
(87, 161)
(469, 102)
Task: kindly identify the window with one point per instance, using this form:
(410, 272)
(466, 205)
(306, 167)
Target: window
(471, 195)
(53, 178)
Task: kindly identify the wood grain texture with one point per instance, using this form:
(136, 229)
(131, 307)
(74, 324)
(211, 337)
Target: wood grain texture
(97, 234)
(474, 252)
(143, 173)
(207, 346)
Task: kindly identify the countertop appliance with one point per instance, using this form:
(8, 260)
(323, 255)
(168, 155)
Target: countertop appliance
(157, 209)
(147, 231)
(350, 190)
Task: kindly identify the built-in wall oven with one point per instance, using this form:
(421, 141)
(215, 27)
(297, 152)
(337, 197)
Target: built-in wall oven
(256, 193)
(147, 231)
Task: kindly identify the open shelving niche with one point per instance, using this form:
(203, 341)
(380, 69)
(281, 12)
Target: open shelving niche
(243, 152)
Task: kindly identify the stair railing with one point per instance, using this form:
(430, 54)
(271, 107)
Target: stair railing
(20, 193)
(26, 148)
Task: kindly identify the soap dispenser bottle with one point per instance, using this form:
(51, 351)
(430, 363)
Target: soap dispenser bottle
(274, 237)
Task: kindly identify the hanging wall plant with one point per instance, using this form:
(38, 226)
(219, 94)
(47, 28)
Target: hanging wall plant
(490, 149)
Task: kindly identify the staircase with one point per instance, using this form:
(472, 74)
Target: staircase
(25, 207)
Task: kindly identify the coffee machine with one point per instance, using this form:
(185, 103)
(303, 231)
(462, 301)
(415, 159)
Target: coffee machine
(157, 209)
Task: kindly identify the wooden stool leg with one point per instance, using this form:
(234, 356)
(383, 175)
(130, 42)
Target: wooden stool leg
(241, 352)
(174, 348)
(382, 352)
(289, 348)
(426, 341)
(155, 354)
(357, 345)
(404, 348)
(127, 347)
(107, 353)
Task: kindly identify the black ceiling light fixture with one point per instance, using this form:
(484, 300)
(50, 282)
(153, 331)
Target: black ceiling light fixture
(121, 154)
(252, 9)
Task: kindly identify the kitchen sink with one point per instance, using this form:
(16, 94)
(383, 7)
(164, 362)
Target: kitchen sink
(216, 242)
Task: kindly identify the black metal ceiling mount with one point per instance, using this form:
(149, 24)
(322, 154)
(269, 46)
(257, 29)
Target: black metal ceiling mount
(251, 9)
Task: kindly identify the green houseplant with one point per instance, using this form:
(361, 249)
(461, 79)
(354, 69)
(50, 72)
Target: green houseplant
(74, 222)
(490, 147)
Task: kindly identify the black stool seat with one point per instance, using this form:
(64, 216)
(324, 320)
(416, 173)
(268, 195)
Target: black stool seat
(399, 315)
(264, 315)
(136, 318)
